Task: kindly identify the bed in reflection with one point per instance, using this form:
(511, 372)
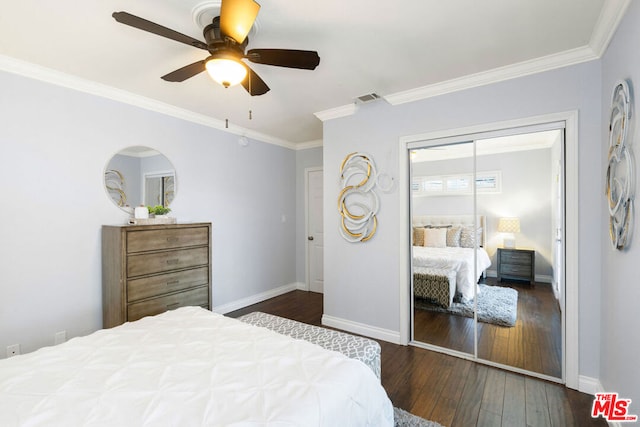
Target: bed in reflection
(444, 250)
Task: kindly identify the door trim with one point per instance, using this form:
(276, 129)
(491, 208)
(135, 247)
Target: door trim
(570, 356)
(306, 223)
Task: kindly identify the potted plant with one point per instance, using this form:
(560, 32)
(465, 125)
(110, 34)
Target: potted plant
(158, 211)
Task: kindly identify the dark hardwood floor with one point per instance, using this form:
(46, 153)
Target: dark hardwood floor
(533, 344)
(452, 391)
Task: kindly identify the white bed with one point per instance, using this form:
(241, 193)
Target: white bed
(458, 259)
(189, 367)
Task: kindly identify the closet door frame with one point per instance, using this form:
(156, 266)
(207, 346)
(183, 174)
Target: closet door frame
(570, 338)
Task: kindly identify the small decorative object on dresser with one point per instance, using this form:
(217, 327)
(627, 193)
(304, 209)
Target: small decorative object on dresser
(149, 269)
(516, 264)
(155, 215)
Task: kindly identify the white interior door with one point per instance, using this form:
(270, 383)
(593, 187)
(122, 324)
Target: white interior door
(315, 235)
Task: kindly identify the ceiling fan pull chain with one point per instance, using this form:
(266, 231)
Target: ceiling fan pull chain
(226, 123)
(250, 115)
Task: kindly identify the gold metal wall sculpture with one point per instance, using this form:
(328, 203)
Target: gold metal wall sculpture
(620, 185)
(358, 202)
(114, 182)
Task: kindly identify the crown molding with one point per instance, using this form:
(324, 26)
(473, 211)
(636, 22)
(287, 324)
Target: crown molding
(58, 78)
(521, 69)
(309, 144)
(337, 112)
(612, 13)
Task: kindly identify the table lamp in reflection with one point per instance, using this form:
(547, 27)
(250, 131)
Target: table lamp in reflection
(509, 226)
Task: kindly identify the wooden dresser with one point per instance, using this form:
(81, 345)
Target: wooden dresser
(149, 269)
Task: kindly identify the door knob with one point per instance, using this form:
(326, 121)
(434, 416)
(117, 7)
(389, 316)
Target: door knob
(310, 238)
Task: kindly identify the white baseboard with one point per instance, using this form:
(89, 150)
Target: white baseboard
(544, 278)
(541, 278)
(361, 329)
(593, 386)
(589, 385)
(254, 299)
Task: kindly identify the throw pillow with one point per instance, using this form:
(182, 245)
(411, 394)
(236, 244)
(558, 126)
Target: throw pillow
(435, 237)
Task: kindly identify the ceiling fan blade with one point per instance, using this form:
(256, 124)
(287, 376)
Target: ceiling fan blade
(186, 72)
(304, 59)
(237, 18)
(151, 27)
(254, 84)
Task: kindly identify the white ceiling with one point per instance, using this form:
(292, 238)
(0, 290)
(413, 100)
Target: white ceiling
(402, 50)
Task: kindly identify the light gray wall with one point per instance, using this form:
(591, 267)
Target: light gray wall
(526, 180)
(309, 158)
(620, 288)
(54, 146)
(362, 280)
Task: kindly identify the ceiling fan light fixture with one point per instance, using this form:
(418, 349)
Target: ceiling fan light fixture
(226, 72)
(237, 18)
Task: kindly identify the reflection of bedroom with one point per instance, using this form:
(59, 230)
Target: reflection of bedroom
(517, 208)
(525, 191)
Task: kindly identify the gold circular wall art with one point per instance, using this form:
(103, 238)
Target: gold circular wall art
(358, 202)
(620, 179)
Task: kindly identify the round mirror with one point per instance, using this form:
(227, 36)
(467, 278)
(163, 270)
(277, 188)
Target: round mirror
(140, 176)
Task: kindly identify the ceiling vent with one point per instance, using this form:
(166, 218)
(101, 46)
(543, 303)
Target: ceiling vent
(369, 97)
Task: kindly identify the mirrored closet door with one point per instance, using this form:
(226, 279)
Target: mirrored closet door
(487, 247)
(438, 173)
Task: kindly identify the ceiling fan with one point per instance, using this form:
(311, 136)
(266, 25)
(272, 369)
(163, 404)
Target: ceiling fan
(226, 41)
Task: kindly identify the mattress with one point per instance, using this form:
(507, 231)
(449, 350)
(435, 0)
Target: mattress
(454, 258)
(189, 367)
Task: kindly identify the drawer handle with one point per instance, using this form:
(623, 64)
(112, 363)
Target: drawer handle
(172, 306)
(173, 282)
(172, 239)
(173, 261)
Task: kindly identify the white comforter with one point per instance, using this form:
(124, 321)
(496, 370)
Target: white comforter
(458, 259)
(189, 367)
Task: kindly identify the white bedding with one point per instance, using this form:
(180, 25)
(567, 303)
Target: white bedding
(189, 367)
(454, 258)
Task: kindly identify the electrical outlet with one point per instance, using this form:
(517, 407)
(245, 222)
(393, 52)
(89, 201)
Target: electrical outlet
(13, 350)
(59, 337)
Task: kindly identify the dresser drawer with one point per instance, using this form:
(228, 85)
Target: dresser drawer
(515, 270)
(198, 296)
(152, 286)
(512, 257)
(158, 262)
(150, 240)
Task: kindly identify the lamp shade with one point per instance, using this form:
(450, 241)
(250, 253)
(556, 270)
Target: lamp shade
(225, 71)
(509, 225)
(237, 18)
